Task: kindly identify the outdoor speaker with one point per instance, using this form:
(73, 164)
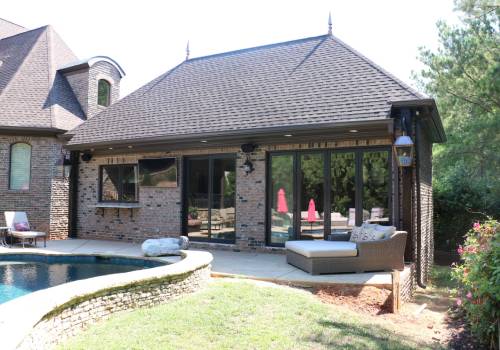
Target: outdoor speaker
(248, 147)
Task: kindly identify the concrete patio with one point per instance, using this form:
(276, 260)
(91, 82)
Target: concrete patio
(269, 267)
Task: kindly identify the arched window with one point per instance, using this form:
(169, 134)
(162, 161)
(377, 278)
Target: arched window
(103, 93)
(20, 166)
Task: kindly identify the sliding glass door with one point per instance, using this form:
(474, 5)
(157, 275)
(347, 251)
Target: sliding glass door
(311, 190)
(314, 194)
(282, 198)
(210, 198)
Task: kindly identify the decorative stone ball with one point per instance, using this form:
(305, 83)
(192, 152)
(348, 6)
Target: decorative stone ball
(164, 246)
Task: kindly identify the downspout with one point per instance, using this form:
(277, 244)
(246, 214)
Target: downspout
(420, 283)
(73, 194)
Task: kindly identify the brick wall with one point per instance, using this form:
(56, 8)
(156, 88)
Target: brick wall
(102, 70)
(84, 84)
(46, 201)
(160, 212)
(426, 206)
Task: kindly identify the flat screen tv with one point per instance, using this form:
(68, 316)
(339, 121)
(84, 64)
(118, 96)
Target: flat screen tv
(158, 172)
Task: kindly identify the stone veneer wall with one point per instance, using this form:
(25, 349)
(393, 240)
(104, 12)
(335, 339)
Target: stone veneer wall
(160, 212)
(46, 201)
(408, 284)
(426, 206)
(68, 321)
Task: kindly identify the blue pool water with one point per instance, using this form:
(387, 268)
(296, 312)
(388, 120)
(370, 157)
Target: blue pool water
(21, 274)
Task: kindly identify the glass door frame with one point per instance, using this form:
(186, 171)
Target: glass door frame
(185, 191)
(358, 153)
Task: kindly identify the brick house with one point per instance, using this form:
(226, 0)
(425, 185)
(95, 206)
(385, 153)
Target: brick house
(235, 149)
(44, 92)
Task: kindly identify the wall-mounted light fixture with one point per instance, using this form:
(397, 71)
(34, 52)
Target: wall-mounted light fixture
(403, 149)
(248, 148)
(63, 164)
(403, 146)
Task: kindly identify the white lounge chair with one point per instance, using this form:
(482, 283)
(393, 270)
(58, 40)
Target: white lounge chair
(15, 217)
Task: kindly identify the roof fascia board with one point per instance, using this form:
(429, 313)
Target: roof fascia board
(371, 127)
(437, 129)
(15, 130)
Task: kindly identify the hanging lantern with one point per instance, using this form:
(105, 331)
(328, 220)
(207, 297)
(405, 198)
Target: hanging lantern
(63, 165)
(403, 149)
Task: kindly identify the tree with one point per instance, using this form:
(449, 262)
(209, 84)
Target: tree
(464, 77)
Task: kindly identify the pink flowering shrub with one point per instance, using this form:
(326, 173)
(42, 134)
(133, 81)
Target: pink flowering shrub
(478, 276)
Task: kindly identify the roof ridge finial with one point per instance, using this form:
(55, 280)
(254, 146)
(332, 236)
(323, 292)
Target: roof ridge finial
(330, 23)
(187, 51)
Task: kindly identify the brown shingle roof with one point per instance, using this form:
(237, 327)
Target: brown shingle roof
(312, 81)
(32, 93)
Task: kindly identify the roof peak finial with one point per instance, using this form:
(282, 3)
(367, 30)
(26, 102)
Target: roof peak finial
(187, 51)
(330, 23)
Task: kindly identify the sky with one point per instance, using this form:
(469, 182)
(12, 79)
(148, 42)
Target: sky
(148, 37)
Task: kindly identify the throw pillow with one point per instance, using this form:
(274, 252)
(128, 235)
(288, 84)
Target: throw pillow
(356, 233)
(22, 226)
(368, 234)
(387, 231)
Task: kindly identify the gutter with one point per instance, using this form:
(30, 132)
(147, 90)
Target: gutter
(433, 115)
(243, 134)
(31, 130)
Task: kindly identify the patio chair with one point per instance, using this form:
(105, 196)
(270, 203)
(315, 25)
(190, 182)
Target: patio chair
(14, 221)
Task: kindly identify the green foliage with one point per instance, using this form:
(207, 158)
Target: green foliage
(343, 169)
(464, 77)
(479, 280)
(193, 212)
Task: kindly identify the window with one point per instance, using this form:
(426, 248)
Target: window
(103, 93)
(20, 166)
(118, 183)
(316, 193)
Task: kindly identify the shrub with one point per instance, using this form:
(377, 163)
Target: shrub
(478, 276)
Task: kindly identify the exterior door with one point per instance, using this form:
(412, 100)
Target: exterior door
(312, 194)
(209, 210)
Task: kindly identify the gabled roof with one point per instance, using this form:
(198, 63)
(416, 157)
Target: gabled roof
(32, 93)
(317, 81)
(8, 28)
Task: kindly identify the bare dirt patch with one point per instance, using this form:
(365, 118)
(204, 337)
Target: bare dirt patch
(435, 322)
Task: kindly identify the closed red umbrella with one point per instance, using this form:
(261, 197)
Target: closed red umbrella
(282, 205)
(311, 211)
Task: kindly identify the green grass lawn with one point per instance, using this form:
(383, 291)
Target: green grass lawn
(242, 315)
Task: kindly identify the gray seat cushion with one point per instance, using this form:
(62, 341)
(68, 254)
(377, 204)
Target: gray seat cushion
(27, 234)
(322, 249)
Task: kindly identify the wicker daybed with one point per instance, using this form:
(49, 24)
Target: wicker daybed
(322, 257)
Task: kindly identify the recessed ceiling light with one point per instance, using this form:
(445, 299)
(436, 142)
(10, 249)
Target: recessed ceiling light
(288, 135)
(353, 130)
(110, 148)
(204, 141)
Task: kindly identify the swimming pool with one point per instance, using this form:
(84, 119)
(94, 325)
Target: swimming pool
(21, 274)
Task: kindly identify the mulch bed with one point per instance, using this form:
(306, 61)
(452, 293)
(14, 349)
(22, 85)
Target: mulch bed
(460, 335)
(367, 299)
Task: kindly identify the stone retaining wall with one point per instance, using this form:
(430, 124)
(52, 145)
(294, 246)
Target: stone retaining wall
(71, 319)
(44, 318)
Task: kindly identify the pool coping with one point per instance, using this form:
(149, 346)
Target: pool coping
(19, 316)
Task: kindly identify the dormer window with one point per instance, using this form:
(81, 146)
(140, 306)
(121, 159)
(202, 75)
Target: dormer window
(103, 93)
